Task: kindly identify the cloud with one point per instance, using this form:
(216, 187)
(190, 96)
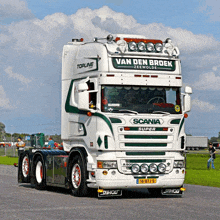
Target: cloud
(203, 106)
(208, 81)
(4, 101)
(19, 77)
(14, 9)
(31, 53)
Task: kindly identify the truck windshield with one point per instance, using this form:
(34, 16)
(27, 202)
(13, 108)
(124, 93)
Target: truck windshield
(141, 99)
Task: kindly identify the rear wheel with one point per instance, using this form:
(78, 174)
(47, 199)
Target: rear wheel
(39, 173)
(78, 176)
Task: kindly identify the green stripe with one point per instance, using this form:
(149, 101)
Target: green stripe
(105, 119)
(175, 121)
(115, 120)
(146, 136)
(145, 153)
(72, 109)
(106, 142)
(146, 161)
(181, 125)
(145, 144)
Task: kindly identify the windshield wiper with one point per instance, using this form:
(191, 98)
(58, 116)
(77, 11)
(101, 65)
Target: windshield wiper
(129, 111)
(161, 112)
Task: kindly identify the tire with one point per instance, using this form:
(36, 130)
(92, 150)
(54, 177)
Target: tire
(155, 192)
(78, 176)
(25, 168)
(39, 173)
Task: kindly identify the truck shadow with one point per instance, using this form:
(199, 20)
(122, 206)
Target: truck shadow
(126, 194)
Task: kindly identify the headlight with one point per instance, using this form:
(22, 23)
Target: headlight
(144, 168)
(179, 164)
(158, 47)
(135, 168)
(141, 46)
(150, 47)
(161, 168)
(132, 46)
(153, 168)
(107, 164)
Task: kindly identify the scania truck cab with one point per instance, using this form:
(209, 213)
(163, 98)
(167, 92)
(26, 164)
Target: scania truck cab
(123, 118)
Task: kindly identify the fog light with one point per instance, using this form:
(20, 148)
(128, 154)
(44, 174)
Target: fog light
(161, 168)
(150, 47)
(113, 172)
(153, 168)
(159, 47)
(144, 168)
(132, 46)
(135, 168)
(141, 46)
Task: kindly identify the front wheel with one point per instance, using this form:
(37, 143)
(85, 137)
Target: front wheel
(78, 176)
(39, 173)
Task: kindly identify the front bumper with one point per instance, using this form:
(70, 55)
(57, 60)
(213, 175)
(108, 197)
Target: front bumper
(116, 180)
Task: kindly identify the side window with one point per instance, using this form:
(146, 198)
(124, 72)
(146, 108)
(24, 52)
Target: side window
(92, 95)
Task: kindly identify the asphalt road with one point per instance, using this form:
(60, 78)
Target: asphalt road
(21, 201)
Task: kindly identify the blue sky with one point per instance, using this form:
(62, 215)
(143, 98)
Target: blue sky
(33, 32)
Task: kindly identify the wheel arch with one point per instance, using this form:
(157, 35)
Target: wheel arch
(80, 151)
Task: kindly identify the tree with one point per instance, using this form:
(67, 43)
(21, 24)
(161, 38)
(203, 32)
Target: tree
(2, 127)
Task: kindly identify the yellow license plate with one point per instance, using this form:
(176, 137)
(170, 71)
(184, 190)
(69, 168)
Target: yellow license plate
(146, 181)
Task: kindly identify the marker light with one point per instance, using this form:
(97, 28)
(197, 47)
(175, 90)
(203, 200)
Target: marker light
(150, 47)
(182, 189)
(132, 46)
(89, 114)
(185, 115)
(141, 46)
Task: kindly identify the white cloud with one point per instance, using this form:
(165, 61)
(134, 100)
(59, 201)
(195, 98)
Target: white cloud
(14, 9)
(208, 81)
(4, 101)
(33, 47)
(203, 106)
(17, 76)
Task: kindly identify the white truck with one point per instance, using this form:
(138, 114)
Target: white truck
(123, 117)
(196, 142)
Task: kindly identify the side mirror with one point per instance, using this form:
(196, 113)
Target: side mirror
(187, 103)
(83, 96)
(187, 99)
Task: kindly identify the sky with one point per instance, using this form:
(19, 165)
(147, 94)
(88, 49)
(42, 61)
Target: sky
(33, 32)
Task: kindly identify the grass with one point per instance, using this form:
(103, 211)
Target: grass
(196, 169)
(8, 160)
(197, 172)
